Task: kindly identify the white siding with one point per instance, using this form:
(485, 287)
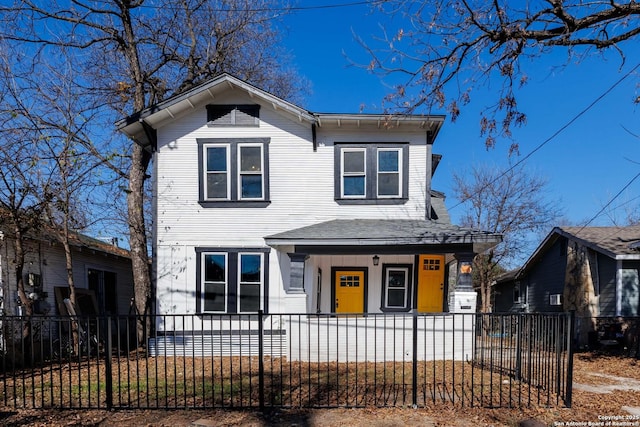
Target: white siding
(376, 338)
(301, 194)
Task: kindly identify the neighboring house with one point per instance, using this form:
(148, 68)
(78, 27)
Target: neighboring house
(592, 270)
(102, 276)
(262, 205)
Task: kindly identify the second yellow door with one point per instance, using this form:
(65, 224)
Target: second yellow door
(430, 283)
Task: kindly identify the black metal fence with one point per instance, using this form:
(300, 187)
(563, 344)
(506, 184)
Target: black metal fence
(287, 360)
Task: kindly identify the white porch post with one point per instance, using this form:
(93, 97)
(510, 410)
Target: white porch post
(464, 299)
(296, 280)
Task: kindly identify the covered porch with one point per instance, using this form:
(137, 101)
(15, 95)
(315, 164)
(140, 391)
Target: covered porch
(380, 266)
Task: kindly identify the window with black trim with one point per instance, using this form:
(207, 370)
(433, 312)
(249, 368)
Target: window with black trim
(233, 115)
(396, 287)
(371, 173)
(231, 280)
(517, 297)
(233, 170)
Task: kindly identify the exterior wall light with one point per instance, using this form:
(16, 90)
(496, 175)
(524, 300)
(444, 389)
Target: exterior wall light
(376, 260)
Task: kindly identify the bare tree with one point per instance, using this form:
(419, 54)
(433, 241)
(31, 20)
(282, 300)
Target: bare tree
(20, 189)
(64, 154)
(511, 202)
(442, 50)
(133, 53)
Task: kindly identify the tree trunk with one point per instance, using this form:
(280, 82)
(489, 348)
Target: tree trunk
(138, 241)
(25, 301)
(72, 290)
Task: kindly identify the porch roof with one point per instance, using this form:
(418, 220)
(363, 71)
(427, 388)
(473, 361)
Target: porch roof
(381, 234)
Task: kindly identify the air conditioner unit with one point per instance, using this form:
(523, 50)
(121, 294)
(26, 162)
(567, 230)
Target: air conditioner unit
(555, 299)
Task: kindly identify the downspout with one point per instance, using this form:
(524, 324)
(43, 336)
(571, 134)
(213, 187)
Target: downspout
(427, 188)
(314, 137)
(618, 287)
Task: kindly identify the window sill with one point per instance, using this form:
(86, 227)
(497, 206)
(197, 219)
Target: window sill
(234, 203)
(395, 309)
(396, 201)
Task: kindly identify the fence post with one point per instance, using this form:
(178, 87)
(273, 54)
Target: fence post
(260, 360)
(569, 385)
(414, 373)
(107, 366)
(519, 332)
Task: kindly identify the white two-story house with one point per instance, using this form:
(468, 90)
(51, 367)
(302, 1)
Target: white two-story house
(262, 205)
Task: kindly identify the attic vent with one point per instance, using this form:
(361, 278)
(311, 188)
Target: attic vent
(233, 115)
(635, 246)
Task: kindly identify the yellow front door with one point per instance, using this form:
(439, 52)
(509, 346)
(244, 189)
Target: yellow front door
(430, 283)
(349, 291)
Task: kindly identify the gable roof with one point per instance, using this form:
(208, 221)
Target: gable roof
(619, 243)
(76, 240)
(616, 242)
(141, 125)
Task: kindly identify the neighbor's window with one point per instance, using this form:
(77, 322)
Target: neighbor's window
(105, 285)
(396, 287)
(629, 292)
(230, 281)
(516, 294)
(234, 171)
(371, 173)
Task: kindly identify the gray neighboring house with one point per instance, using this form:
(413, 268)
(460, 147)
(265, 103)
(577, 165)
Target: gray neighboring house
(592, 270)
(102, 275)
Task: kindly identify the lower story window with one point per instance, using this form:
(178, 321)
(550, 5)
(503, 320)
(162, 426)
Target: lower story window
(231, 280)
(396, 287)
(250, 282)
(215, 282)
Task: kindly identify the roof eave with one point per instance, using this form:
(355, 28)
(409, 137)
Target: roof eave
(485, 240)
(431, 123)
(187, 101)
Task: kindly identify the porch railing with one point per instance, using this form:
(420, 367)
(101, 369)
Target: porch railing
(287, 360)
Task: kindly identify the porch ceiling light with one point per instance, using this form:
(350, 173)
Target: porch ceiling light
(376, 260)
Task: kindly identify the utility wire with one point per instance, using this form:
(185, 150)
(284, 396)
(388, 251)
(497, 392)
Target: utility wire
(609, 202)
(558, 132)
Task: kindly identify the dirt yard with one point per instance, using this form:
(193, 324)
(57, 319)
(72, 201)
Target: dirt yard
(606, 392)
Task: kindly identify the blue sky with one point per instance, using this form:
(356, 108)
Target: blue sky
(586, 165)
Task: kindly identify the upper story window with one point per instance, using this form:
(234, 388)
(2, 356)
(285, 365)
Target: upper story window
(354, 172)
(370, 173)
(389, 170)
(251, 177)
(234, 171)
(233, 115)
